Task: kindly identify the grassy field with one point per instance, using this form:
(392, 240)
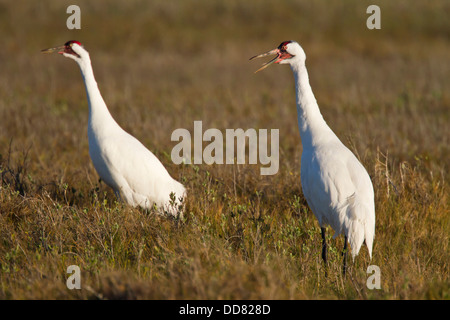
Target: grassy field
(162, 65)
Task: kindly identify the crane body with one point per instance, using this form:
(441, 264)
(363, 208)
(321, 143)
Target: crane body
(335, 184)
(123, 162)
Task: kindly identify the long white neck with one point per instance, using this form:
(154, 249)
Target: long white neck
(100, 118)
(313, 128)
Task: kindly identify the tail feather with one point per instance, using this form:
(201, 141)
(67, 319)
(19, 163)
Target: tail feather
(355, 236)
(360, 227)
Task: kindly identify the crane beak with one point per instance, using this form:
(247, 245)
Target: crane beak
(67, 48)
(271, 52)
(60, 50)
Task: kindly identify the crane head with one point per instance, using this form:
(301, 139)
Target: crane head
(66, 49)
(286, 52)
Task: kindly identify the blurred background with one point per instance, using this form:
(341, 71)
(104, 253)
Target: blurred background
(161, 65)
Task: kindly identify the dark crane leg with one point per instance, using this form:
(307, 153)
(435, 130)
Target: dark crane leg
(344, 254)
(324, 250)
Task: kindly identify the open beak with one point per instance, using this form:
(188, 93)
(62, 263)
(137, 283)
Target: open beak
(60, 50)
(271, 52)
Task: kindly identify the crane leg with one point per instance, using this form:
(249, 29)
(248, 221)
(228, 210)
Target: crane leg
(324, 246)
(324, 250)
(344, 254)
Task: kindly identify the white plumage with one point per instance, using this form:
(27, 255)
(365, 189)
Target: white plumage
(122, 162)
(336, 186)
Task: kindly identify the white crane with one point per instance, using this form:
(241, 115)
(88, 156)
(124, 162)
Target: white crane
(336, 186)
(122, 162)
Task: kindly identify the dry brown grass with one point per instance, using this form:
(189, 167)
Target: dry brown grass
(162, 65)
